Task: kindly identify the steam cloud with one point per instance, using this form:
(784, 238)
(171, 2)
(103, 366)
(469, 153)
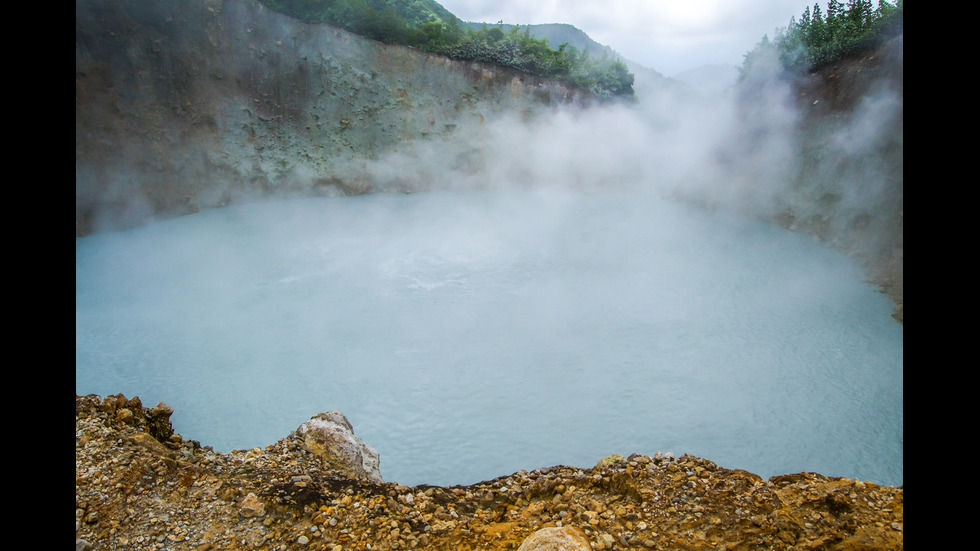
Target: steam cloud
(741, 150)
(737, 150)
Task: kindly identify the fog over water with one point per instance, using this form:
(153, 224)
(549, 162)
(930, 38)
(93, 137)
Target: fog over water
(548, 302)
(472, 334)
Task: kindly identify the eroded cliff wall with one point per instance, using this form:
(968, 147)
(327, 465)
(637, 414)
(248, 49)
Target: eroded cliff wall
(182, 105)
(850, 186)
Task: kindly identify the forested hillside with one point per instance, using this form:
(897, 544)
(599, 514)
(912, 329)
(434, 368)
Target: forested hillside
(558, 33)
(426, 25)
(818, 39)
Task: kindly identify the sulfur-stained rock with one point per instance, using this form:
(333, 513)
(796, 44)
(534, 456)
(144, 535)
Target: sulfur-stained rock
(331, 436)
(252, 506)
(610, 460)
(151, 444)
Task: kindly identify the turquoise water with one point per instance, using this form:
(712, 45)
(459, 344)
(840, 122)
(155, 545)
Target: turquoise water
(468, 335)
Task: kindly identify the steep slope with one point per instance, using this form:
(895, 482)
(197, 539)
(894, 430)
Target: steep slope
(850, 188)
(189, 104)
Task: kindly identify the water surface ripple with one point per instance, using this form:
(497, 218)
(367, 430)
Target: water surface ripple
(468, 335)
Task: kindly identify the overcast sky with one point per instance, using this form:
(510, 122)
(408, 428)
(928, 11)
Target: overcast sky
(669, 36)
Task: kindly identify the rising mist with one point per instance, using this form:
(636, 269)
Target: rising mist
(185, 107)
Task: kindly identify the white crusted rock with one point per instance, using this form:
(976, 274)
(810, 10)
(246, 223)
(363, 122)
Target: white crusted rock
(565, 538)
(331, 436)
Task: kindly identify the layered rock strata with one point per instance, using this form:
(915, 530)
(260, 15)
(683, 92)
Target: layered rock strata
(183, 105)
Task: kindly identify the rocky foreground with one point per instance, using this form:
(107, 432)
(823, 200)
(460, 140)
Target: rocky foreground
(138, 485)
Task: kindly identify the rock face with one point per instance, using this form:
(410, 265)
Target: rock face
(182, 105)
(331, 436)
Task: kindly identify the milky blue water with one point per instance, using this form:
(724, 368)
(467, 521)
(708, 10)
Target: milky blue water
(468, 335)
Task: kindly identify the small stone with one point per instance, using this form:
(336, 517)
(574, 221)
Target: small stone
(609, 460)
(303, 540)
(252, 506)
(162, 410)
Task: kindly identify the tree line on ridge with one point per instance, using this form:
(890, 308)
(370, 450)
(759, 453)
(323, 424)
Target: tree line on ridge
(818, 39)
(427, 26)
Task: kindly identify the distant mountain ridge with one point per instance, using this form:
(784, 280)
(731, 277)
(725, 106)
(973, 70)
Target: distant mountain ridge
(557, 34)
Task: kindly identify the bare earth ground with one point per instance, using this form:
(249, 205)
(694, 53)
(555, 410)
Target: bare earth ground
(140, 486)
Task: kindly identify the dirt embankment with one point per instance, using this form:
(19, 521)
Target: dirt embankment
(140, 486)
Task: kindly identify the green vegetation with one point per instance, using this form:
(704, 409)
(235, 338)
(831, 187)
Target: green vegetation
(819, 39)
(426, 25)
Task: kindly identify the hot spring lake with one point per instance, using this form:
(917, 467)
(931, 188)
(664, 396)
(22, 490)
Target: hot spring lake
(469, 335)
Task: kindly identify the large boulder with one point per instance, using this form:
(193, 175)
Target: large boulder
(331, 436)
(564, 538)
